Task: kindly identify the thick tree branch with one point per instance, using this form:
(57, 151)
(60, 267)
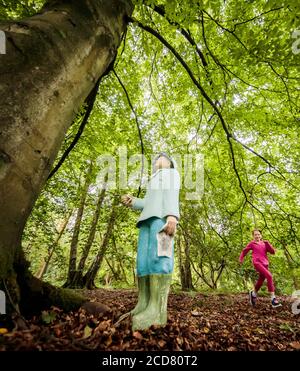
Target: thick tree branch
(90, 104)
(137, 124)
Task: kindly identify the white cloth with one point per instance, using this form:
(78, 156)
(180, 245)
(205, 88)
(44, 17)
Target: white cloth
(164, 243)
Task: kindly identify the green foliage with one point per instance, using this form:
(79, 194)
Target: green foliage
(252, 76)
(14, 9)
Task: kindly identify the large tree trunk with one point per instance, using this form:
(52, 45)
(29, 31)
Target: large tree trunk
(52, 62)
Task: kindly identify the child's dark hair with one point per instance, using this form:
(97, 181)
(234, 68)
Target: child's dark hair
(254, 230)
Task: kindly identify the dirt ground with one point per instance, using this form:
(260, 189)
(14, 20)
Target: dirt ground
(195, 322)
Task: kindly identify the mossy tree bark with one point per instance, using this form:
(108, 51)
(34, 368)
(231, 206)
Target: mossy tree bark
(52, 62)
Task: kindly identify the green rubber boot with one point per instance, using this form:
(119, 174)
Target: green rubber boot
(144, 295)
(156, 311)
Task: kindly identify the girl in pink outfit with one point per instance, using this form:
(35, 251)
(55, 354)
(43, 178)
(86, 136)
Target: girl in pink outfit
(260, 261)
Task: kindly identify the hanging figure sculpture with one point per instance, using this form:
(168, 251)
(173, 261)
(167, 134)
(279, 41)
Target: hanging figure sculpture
(155, 256)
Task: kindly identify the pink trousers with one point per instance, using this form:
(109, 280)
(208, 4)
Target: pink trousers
(264, 273)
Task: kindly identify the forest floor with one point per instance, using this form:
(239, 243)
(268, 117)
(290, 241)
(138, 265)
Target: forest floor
(195, 322)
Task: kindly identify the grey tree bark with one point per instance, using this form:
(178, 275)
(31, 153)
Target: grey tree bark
(52, 62)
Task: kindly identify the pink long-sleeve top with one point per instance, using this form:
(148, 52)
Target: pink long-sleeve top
(259, 251)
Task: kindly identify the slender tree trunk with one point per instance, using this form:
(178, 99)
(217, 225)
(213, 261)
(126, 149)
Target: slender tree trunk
(188, 282)
(90, 275)
(295, 277)
(45, 265)
(77, 277)
(188, 273)
(123, 271)
(134, 273)
(201, 274)
(181, 265)
(119, 259)
(76, 231)
(116, 275)
(219, 272)
(52, 62)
